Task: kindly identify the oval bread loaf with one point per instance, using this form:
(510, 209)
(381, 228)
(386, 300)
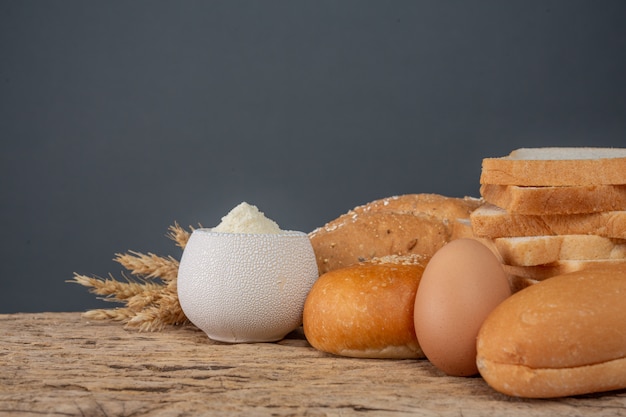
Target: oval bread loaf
(561, 337)
(365, 310)
(400, 225)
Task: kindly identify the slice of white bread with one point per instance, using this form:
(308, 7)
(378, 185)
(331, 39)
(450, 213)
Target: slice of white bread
(543, 272)
(557, 166)
(555, 199)
(491, 221)
(539, 250)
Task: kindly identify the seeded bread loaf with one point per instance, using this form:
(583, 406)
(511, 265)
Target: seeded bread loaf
(557, 167)
(400, 225)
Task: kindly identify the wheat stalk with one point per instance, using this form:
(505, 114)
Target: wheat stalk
(179, 235)
(148, 265)
(150, 297)
(156, 317)
(115, 314)
(114, 290)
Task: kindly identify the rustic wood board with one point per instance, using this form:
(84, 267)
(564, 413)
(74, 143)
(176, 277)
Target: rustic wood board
(60, 364)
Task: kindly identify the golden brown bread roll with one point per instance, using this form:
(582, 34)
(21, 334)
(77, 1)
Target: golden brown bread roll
(561, 337)
(365, 310)
(400, 225)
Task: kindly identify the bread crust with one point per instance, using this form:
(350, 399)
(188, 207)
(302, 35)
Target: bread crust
(491, 221)
(555, 200)
(566, 167)
(399, 225)
(523, 381)
(563, 336)
(365, 310)
(563, 266)
(539, 250)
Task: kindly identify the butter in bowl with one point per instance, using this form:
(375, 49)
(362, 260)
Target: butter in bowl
(246, 280)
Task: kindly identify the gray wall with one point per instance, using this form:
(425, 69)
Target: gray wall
(118, 118)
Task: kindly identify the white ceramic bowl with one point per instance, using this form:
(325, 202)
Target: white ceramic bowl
(240, 287)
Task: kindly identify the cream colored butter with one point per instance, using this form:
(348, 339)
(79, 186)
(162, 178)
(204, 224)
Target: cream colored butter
(246, 218)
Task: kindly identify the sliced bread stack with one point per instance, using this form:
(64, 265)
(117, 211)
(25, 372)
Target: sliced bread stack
(549, 211)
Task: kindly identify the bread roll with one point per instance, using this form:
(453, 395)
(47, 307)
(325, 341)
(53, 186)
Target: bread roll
(365, 310)
(493, 222)
(555, 200)
(557, 167)
(561, 337)
(401, 225)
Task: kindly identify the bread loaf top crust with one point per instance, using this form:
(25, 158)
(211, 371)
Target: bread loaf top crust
(557, 167)
(436, 205)
(400, 225)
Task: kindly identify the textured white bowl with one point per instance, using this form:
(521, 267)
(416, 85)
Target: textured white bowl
(242, 288)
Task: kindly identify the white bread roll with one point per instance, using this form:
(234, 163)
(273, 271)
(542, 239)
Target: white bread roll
(559, 166)
(561, 337)
(365, 310)
(555, 200)
(400, 225)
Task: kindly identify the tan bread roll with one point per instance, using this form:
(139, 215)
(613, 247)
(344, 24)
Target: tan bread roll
(400, 225)
(561, 337)
(365, 310)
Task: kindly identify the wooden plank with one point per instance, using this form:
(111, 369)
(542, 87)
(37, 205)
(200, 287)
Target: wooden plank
(59, 364)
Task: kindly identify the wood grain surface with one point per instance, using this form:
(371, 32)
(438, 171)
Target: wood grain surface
(59, 364)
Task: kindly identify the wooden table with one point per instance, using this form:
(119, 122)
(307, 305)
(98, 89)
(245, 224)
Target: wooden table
(60, 364)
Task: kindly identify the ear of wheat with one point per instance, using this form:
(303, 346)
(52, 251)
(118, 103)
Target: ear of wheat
(149, 294)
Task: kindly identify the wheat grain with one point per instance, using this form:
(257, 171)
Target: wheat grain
(156, 317)
(179, 235)
(148, 265)
(115, 314)
(114, 290)
(144, 299)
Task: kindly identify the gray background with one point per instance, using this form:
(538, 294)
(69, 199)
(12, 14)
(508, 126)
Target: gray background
(118, 118)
